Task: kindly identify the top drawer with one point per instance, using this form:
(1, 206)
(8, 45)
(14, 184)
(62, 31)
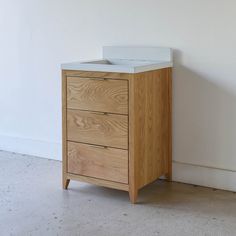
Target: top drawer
(97, 94)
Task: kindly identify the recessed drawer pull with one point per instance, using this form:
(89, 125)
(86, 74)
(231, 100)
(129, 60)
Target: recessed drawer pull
(101, 147)
(99, 113)
(102, 79)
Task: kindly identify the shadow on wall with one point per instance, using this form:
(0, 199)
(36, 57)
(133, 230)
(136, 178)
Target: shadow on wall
(204, 116)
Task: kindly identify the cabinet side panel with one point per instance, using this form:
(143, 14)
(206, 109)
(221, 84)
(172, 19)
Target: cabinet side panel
(169, 171)
(64, 129)
(151, 121)
(133, 183)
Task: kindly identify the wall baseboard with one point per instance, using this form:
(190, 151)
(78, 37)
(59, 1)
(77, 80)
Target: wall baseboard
(182, 172)
(204, 176)
(45, 149)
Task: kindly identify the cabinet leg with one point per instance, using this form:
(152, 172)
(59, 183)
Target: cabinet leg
(66, 183)
(133, 195)
(168, 177)
(169, 173)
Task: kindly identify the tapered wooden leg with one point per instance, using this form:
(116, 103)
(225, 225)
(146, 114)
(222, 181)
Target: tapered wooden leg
(169, 173)
(66, 183)
(169, 177)
(133, 195)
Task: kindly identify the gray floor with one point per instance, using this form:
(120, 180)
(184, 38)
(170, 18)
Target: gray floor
(33, 203)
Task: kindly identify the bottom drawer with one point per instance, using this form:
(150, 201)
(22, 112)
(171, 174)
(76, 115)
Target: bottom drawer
(97, 161)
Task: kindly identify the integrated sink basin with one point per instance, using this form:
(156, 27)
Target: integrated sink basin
(121, 62)
(126, 60)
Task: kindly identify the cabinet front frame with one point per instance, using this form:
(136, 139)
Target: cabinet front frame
(66, 176)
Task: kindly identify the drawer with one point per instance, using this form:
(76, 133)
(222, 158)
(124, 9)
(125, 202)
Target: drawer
(99, 162)
(97, 128)
(97, 94)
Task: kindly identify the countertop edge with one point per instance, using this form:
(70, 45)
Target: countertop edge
(116, 69)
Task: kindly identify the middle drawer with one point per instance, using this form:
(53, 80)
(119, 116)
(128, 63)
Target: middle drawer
(97, 128)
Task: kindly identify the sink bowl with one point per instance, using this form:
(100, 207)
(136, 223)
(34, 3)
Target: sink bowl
(120, 62)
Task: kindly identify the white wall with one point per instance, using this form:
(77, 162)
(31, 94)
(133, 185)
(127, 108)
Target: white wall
(36, 36)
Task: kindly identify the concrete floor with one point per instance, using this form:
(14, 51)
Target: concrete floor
(33, 203)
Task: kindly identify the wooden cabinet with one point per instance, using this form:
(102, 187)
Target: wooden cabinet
(116, 128)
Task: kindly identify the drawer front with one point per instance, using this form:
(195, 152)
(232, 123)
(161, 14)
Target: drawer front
(95, 161)
(97, 128)
(97, 94)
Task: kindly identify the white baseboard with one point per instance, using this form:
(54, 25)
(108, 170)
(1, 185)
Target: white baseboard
(204, 176)
(45, 149)
(182, 172)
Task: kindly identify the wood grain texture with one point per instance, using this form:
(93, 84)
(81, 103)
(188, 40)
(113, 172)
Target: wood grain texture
(65, 181)
(97, 128)
(106, 95)
(96, 161)
(133, 167)
(96, 74)
(169, 77)
(100, 182)
(149, 132)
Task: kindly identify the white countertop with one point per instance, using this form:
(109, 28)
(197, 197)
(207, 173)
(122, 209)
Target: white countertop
(126, 60)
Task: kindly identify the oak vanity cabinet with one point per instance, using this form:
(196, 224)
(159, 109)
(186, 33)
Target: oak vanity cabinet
(116, 128)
